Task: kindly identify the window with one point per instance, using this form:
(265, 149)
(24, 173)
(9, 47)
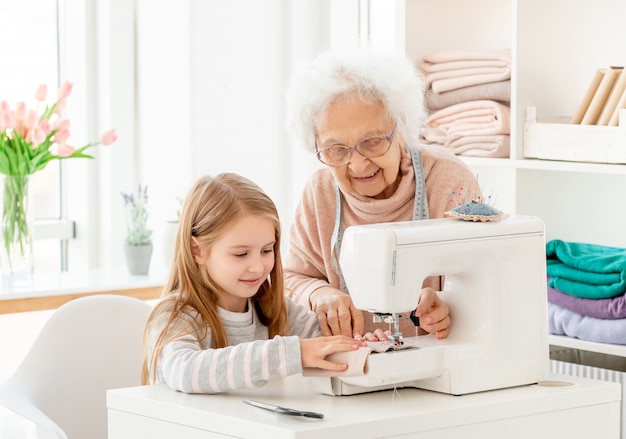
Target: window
(29, 47)
(111, 51)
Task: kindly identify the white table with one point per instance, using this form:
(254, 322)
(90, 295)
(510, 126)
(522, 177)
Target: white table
(581, 409)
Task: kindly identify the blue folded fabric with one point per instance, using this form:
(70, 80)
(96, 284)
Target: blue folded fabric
(589, 271)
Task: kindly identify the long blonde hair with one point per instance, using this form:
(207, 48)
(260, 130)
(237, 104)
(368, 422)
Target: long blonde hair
(210, 207)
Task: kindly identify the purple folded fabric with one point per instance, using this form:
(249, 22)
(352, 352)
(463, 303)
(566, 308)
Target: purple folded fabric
(612, 308)
(562, 321)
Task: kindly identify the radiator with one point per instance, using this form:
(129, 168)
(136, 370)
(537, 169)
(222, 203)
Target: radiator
(585, 371)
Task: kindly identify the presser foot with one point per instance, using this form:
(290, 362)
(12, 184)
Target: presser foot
(396, 338)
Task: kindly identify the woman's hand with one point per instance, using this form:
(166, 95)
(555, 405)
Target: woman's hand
(314, 351)
(433, 313)
(336, 313)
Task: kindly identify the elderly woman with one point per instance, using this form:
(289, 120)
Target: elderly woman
(361, 113)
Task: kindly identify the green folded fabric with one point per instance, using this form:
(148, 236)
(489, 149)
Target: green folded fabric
(584, 270)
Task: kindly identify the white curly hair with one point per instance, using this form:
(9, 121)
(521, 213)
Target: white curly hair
(365, 74)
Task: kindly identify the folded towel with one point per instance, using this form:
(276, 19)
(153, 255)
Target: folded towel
(476, 146)
(612, 308)
(493, 91)
(589, 271)
(453, 69)
(473, 118)
(562, 321)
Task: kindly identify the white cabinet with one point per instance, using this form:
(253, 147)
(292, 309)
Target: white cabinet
(556, 47)
(561, 407)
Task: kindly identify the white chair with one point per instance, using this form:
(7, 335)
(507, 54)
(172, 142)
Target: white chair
(87, 346)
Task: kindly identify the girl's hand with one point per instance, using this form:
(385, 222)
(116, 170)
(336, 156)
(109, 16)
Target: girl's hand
(315, 350)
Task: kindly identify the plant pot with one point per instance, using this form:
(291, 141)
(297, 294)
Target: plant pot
(138, 258)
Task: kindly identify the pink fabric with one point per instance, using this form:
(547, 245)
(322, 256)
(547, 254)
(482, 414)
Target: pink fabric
(496, 146)
(356, 360)
(453, 69)
(473, 118)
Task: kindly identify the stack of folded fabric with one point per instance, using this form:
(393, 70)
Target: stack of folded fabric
(587, 291)
(468, 94)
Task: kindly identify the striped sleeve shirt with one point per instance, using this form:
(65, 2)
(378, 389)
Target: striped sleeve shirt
(189, 365)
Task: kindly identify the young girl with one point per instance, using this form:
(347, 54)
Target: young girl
(224, 322)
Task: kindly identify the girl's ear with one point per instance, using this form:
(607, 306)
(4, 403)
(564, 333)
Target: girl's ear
(196, 250)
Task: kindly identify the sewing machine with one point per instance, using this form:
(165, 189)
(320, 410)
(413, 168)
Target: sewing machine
(495, 288)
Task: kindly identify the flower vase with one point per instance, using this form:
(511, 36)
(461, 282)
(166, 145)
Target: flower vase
(138, 258)
(16, 251)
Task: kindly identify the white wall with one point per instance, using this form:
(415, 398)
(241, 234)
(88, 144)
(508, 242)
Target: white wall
(211, 78)
(240, 65)
(192, 87)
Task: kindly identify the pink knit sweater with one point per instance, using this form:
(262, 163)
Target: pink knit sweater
(308, 265)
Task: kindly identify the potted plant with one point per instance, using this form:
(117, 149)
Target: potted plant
(138, 242)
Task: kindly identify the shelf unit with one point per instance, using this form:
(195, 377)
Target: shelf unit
(556, 46)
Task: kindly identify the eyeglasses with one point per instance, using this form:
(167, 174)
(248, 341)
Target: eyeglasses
(372, 147)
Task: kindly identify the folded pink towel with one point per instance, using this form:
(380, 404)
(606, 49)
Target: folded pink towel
(461, 59)
(452, 69)
(496, 146)
(473, 118)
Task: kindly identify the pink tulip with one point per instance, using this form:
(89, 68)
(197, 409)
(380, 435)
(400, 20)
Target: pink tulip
(36, 136)
(61, 136)
(42, 93)
(60, 106)
(20, 111)
(8, 121)
(61, 124)
(31, 119)
(65, 90)
(65, 150)
(109, 137)
(45, 126)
